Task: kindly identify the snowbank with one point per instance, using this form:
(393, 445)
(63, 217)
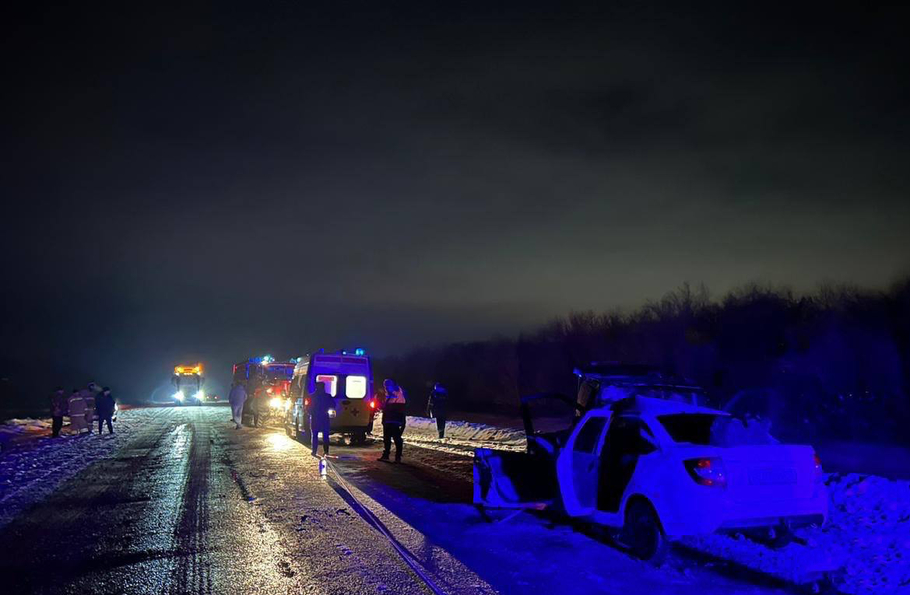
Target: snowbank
(461, 436)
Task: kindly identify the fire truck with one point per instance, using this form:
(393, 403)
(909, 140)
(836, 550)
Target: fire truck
(188, 381)
(267, 379)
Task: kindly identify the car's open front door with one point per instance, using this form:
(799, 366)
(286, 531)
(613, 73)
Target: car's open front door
(578, 464)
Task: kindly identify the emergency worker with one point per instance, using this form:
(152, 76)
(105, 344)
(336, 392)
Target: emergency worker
(237, 398)
(320, 422)
(393, 419)
(104, 407)
(91, 394)
(76, 408)
(258, 405)
(59, 408)
(438, 407)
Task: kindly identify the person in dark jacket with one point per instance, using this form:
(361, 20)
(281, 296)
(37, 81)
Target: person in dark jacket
(59, 408)
(438, 407)
(320, 404)
(393, 419)
(104, 407)
(258, 405)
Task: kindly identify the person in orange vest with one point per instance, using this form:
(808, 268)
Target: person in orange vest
(393, 419)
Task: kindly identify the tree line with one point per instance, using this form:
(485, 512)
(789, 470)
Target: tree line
(832, 364)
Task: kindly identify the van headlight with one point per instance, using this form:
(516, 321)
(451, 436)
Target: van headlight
(200, 395)
(275, 403)
(179, 395)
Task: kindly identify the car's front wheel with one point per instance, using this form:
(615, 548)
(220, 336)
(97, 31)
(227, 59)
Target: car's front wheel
(643, 534)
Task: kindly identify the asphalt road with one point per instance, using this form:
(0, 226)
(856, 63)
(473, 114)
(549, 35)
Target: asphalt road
(190, 505)
(181, 502)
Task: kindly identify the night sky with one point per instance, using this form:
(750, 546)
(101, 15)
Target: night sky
(215, 182)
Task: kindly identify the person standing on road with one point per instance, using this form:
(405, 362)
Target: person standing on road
(59, 408)
(76, 408)
(257, 404)
(104, 407)
(320, 422)
(237, 398)
(90, 395)
(438, 407)
(393, 419)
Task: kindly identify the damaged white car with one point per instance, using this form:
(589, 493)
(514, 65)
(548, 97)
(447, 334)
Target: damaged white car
(647, 461)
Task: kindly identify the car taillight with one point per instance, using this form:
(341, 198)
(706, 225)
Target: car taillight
(306, 402)
(818, 465)
(708, 471)
(268, 390)
(372, 404)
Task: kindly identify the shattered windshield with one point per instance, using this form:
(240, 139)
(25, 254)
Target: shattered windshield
(709, 429)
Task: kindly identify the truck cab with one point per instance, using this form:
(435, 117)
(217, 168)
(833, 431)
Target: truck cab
(188, 381)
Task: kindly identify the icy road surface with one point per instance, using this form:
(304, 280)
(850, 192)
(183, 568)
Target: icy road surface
(180, 502)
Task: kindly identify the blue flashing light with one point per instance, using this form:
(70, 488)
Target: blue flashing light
(359, 351)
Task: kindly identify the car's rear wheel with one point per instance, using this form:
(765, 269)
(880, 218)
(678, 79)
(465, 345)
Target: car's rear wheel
(643, 534)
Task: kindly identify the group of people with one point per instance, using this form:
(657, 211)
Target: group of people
(394, 416)
(83, 406)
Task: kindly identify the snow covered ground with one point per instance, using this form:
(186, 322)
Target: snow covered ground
(36, 464)
(461, 437)
(864, 547)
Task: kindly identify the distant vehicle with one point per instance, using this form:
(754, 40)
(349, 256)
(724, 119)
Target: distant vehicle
(349, 379)
(188, 381)
(655, 469)
(211, 398)
(273, 377)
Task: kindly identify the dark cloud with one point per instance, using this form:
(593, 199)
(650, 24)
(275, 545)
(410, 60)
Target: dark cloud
(216, 181)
